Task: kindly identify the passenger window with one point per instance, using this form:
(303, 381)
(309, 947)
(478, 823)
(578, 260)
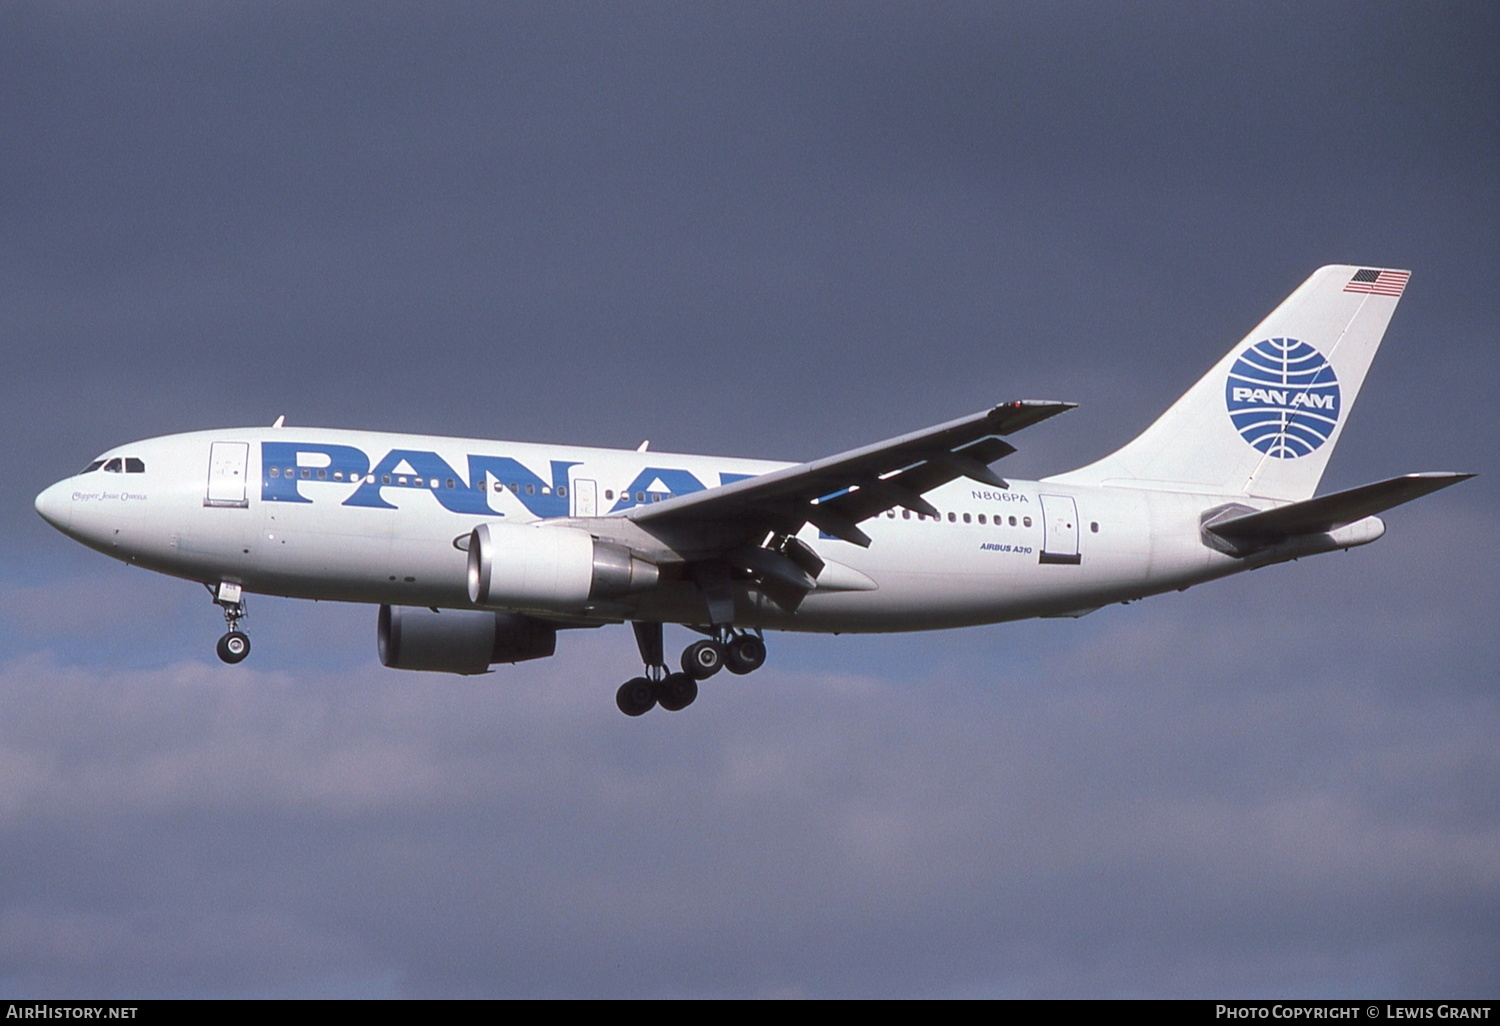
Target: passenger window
(1094, 527)
(1012, 521)
(982, 520)
(966, 518)
(113, 466)
(323, 475)
(951, 518)
(499, 487)
(531, 489)
(134, 466)
(906, 514)
(562, 491)
(450, 483)
(1026, 521)
(385, 479)
(640, 496)
(306, 473)
(275, 471)
(609, 493)
(338, 475)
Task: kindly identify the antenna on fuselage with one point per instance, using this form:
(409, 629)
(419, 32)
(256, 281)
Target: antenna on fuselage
(279, 421)
(643, 446)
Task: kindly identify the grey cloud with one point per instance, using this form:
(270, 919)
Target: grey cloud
(973, 830)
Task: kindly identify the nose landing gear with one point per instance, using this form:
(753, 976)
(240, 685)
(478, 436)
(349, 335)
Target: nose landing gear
(234, 646)
(738, 651)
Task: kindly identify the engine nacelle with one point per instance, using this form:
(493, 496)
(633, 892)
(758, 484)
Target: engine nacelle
(460, 640)
(527, 566)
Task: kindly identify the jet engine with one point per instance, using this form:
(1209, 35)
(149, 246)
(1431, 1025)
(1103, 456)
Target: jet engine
(526, 566)
(460, 640)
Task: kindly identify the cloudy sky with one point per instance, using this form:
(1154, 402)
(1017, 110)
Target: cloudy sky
(770, 230)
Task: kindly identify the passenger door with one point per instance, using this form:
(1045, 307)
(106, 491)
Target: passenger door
(1059, 530)
(227, 466)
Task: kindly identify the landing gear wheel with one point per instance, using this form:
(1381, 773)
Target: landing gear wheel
(676, 692)
(745, 653)
(702, 659)
(636, 697)
(234, 647)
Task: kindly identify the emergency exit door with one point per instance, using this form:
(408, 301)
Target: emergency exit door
(585, 498)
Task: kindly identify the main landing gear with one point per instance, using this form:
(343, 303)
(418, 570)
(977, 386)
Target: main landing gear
(234, 646)
(737, 651)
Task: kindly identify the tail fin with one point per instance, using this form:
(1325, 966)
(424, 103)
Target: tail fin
(1265, 419)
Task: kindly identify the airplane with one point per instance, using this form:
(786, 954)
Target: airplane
(478, 552)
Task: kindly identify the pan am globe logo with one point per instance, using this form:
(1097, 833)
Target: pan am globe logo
(1283, 397)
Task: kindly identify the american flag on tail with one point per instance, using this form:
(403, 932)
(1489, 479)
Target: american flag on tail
(1378, 283)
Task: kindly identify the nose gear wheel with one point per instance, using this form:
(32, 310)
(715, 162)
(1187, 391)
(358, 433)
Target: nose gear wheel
(234, 645)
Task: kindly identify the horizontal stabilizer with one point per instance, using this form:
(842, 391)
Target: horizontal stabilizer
(1329, 512)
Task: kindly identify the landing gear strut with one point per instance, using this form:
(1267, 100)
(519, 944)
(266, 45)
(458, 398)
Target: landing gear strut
(739, 651)
(234, 646)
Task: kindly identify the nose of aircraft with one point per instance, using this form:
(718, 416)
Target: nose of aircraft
(55, 505)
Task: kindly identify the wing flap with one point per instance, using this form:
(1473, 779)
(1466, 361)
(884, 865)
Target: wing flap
(871, 498)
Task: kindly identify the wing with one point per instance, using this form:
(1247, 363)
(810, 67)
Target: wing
(748, 529)
(837, 492)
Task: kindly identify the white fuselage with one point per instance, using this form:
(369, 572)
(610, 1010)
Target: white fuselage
(382, 518)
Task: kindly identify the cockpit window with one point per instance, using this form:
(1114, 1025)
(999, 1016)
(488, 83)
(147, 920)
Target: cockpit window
(113, 466)
(92, 467)
(134, 465)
